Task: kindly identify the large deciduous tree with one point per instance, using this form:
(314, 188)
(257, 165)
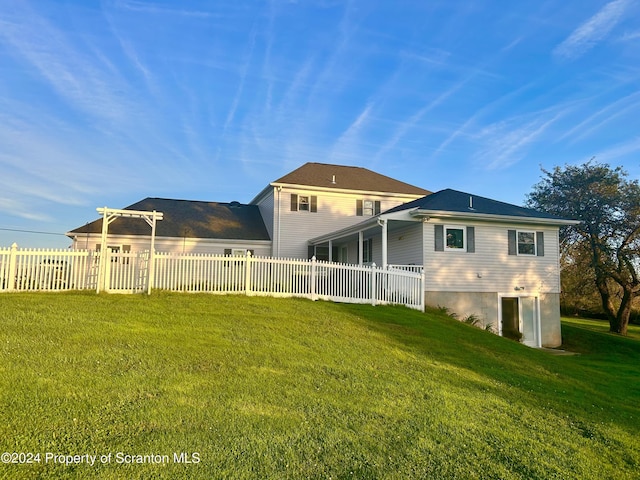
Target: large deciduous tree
(608, 205)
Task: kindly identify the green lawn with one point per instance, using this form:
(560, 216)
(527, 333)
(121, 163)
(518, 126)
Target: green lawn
(249, 387)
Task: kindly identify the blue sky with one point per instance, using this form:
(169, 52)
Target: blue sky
(105, 103)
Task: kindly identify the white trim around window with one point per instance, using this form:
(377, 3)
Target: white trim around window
(526, 243)
(455, 238)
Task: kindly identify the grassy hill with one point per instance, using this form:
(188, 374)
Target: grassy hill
(247, 387)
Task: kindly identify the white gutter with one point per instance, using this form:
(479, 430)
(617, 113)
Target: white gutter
(419, 213)
(296, 186)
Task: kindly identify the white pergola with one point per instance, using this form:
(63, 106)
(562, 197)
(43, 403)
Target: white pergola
(108, 216)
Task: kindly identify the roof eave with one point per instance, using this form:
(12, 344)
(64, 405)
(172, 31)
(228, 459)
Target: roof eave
(345, 190)
(264, 192)
(421, 213)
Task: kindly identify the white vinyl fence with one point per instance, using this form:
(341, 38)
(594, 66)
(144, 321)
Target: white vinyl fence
(128, 272)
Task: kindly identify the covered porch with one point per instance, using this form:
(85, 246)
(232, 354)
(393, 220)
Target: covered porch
(388, 240)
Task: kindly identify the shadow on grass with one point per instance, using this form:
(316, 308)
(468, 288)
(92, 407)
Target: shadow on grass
(600, 385)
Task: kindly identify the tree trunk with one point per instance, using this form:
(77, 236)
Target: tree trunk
(622, 318)
(607, 303)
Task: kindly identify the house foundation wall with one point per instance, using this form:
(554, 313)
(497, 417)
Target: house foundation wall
(484, 305)
(550, 320)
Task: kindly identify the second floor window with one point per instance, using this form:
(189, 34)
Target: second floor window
(304, 203)
(367, 208)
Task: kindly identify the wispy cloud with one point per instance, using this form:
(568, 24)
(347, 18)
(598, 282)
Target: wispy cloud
(153, 8)
(351, 137)
(465, 129)
(620, 150)
(74, 76)
(592, 31)
(603, 116)
(417, 117)
(630, 36)
(243, 76)
(17, 208)
(505, 142)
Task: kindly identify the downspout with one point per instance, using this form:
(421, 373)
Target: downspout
(538, 321)
(383, 224)
(279, 189)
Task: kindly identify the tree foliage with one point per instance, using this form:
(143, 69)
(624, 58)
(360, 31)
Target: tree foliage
(605, 246)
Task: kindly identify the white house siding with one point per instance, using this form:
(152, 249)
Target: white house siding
(404, 246)
(473, 283)
(135, 243)
(491, 268)
(335, 211)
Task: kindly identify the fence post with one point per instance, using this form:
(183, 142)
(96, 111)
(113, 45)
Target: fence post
(12, 267)
(106, 258)
(101, 267)
(374, 287)
(423, 284)
(312, 279)
(247, 273)
(151, 269)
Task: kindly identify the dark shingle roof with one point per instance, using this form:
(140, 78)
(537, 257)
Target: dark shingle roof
(349, 178)
(192, 219)
(449, 200)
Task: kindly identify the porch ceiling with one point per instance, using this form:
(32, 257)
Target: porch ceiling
(369, 229)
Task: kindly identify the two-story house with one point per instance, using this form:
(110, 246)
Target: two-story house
(318, 198)
(481, 257)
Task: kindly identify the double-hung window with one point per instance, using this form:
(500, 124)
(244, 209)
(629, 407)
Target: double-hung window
(304, 203)
(526, 243)
(367, 208)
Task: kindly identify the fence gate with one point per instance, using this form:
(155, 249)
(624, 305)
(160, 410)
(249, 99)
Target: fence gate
(126, 272)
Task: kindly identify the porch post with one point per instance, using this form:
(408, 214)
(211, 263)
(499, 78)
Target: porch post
(331, 250)
(313, 278)
(360, 243)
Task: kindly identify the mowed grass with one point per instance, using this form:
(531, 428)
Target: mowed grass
(249, 387)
